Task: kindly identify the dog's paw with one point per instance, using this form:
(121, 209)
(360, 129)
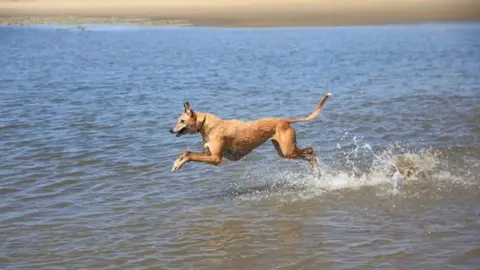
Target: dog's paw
(175, 166)
(179, 162)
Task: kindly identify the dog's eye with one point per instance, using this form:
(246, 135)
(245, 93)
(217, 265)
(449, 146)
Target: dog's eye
(182, 121)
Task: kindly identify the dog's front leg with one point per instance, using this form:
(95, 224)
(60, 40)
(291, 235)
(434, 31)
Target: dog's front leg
(208, 158)
(212, 157)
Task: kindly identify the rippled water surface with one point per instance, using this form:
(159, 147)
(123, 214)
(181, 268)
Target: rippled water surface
(85, 179)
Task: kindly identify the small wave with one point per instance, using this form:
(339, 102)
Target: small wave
(4, 191)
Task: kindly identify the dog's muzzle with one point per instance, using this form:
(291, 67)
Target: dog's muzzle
(180, 132)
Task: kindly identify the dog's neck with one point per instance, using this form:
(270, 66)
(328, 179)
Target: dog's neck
(202, 123)
(206, 122)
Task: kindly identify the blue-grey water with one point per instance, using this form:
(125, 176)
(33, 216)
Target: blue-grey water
(85, 180)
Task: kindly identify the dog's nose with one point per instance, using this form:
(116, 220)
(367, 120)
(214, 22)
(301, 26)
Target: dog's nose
(171, 130)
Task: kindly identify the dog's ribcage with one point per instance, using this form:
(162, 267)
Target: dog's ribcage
(228, 154)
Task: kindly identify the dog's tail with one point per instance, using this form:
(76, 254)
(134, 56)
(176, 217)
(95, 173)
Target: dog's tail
(315, 113)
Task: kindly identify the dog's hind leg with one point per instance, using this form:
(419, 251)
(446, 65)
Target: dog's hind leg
(299, 153)
(286, 145)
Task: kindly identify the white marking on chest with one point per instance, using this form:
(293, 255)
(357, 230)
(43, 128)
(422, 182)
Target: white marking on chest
(206, 148)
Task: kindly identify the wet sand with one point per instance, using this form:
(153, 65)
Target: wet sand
(230, 13)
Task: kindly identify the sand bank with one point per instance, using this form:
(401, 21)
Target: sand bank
(234, 13)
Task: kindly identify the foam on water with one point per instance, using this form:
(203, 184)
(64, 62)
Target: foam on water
(357, 165)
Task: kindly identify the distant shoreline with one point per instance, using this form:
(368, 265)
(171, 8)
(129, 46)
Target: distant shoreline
(83, 22)
(233, 13)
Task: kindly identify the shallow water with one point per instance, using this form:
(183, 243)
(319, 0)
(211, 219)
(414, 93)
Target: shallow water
(85, 177)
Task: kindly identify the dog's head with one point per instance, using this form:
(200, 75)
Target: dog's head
(186, 123)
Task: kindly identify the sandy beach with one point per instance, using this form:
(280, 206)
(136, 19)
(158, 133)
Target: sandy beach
(231, 13)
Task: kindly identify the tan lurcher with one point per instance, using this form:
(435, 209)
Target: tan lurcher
(234, 139)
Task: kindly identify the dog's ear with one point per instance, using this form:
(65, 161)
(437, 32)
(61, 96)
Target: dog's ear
(188, 109)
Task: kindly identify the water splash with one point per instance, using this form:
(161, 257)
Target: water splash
(355, 164)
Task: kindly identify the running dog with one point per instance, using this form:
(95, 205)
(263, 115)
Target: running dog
(234, 139)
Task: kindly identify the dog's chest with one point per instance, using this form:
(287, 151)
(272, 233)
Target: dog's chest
(230, 154)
